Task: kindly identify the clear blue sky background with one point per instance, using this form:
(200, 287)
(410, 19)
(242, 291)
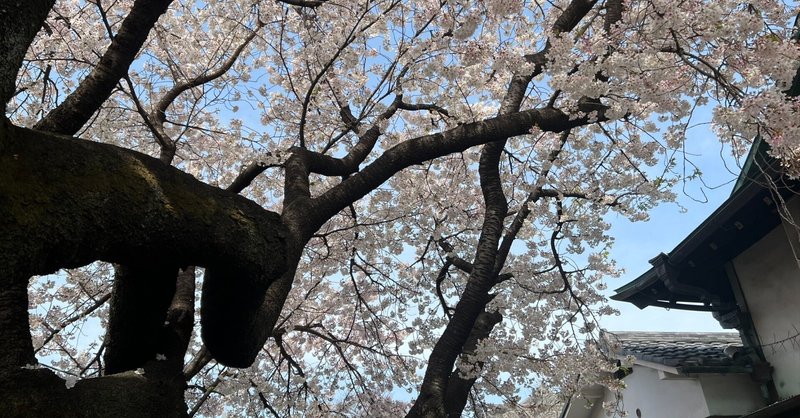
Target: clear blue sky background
(636, 243)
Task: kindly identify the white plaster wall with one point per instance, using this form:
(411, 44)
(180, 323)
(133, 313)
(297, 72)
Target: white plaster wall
(732, 394)
(678, 396)
(668, 398)
(681, 397)
(770, 280)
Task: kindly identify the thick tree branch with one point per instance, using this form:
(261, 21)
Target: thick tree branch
(424, 148)
(572, 15)
(16, 348)
(82, 103)
(435, 390)
(144, 393)
(247, 176)
(19, 24)
(613, 14)
(66, 203)
(176, 332)
(137, 332)
(431, 399)
(430, 146)
(303, 161)
(331, 166)
(459, 387)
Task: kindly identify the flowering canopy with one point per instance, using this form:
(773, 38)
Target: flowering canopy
(425, 180)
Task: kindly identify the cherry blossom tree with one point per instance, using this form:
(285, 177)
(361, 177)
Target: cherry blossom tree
(384, 206)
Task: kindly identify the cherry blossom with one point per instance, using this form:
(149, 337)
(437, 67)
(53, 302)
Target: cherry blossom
(441, 173)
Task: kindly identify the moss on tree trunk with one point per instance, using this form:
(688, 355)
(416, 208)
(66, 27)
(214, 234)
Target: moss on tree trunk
(66, 202)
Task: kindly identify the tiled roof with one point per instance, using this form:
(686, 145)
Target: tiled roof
(686, 351)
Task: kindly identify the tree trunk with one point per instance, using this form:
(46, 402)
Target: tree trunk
(66, 202)
(18, 26)
(150, 392)
(139, 304)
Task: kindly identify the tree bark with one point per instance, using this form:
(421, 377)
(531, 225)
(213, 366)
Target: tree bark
(428, 147)
(176, 333)
(431, 399)
(16, 348)
(18, 26)
(40, 393)
(66, 202)
(139, 304)
(458, 386)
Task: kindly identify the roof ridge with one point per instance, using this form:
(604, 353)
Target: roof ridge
(672, 335)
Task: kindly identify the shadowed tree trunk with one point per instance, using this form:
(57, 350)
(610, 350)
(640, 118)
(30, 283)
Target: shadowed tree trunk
(133, 334)
(70, 202)
(66, 202)
(154, 391)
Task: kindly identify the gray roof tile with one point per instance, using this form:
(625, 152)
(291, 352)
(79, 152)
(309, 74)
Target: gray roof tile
(687, 351)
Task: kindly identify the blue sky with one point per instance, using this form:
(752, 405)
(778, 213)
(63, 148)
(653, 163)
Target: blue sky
(636, 243)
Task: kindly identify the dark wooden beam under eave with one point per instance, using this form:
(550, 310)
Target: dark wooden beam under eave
(693, 275)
